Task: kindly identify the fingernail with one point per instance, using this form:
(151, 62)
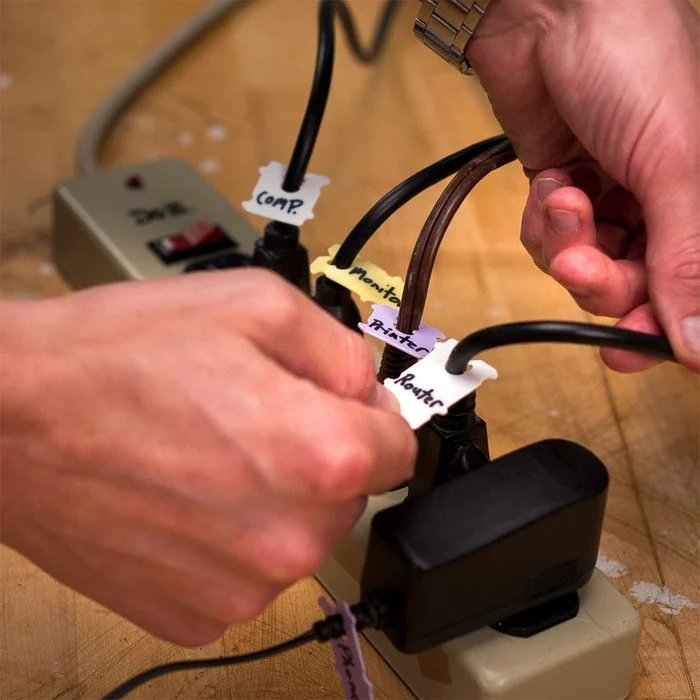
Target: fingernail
(386, 400)
(563, 220)
(546, 186)
(691, 333)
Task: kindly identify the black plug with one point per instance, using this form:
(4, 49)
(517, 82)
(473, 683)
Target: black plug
(279, 250)
(449, 446)
(394, 362)
(337, 301)
(506, 546)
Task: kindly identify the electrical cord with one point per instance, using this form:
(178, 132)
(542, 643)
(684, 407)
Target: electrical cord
(494, 154)
(157, 671)
(420, 270)
(318, 98)
(97, 128)
(368, 613)
(426, 249)
(371, 54)
(365, 228)
(323, 72)
(556, 332)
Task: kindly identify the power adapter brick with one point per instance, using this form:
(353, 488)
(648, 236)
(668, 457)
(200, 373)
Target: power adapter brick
(505, 545)
(145, 221)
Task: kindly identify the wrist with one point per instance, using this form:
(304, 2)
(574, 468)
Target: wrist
(21, 388)
(522, 21)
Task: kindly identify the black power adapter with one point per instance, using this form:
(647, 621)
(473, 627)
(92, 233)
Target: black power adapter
(504, 545)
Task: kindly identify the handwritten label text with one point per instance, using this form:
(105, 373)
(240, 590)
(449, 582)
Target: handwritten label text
(426, 389)
(424, 395)
(273, 202)
(382, 324)
(364, 278)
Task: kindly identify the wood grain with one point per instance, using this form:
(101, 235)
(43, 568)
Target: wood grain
(253, 74)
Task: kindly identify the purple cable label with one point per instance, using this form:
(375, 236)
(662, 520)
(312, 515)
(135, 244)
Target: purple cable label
(348, 655)
(382, 324)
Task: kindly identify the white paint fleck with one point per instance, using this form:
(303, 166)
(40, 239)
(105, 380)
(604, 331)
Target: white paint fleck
(610, 567)
(209, 166)
(553, 413)
(663, 598)
(495, 313)
(6, 81)
(46, 269)
(217, 132)
(186, 138)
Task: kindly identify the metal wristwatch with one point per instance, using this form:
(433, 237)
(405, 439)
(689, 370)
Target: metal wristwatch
(446, 26)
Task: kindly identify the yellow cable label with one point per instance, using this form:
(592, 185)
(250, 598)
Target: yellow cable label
(364, 278)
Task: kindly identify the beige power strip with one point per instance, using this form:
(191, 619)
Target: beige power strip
(145, 221)
(591, 657)
(123, 224)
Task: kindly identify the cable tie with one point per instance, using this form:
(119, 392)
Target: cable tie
(272, 202)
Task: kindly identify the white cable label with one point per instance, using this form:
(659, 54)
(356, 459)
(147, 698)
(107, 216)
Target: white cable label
(426, 389)
(272, 202)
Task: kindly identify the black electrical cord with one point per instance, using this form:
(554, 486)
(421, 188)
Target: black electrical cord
(401, 194)
(555, 332)
(362, 54)
(323, 72)
(395, 361)
(316, 106)
(157, 671)
(427, 245)
(368, 613)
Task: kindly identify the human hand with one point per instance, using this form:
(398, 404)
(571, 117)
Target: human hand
(601, 100)
(183, 450)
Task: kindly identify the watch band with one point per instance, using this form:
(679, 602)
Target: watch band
(446, 26)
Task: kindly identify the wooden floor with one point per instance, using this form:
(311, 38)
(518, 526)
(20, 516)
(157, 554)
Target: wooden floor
(252, 75)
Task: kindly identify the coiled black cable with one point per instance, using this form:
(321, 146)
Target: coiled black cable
(555, 332)
(372, 53)
(323, 72)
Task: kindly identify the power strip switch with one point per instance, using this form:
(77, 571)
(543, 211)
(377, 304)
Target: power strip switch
(145, 221)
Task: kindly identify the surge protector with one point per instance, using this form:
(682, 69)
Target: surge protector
(590, 657)
(159, 219)
(144, 221)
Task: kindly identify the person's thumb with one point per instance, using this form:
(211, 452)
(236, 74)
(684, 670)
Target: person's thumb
(673, 262)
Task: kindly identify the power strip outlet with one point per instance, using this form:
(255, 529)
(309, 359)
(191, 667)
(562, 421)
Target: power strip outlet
(591, 656)
(145, 221)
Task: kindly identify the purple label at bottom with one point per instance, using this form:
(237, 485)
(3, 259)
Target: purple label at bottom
(349, 661)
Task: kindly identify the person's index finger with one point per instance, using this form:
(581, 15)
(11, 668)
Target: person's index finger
(307, 341)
